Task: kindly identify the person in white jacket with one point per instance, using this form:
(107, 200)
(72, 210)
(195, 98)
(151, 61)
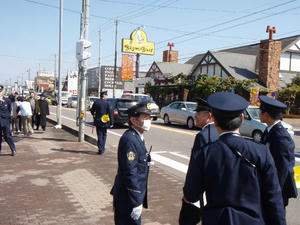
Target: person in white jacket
(26, 114)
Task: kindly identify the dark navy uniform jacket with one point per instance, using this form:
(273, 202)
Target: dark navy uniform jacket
(282, 148)
(130, 187)
(100, 108)
(241, 188)
(5, 108)
(207, 135)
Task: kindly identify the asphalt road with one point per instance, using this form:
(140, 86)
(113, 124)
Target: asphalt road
(171, 146)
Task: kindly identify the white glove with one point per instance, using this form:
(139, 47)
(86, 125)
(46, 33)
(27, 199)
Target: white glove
(150, 163)
(136, 212)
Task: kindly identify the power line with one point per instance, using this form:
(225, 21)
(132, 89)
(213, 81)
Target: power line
(237, 25)
(228, 21)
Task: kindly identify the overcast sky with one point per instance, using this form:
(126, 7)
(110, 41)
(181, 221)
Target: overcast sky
(30, 29)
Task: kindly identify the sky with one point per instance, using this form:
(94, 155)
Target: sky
(30, 30)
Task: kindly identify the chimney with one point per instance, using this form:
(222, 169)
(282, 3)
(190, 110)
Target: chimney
(170, 55)
(269, 61)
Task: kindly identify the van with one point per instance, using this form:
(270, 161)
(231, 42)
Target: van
(155, 112)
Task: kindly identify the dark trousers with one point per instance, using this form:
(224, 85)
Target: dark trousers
(41, 120)
(5, 131)
(101, 133)
(33, 120)
(189, 214)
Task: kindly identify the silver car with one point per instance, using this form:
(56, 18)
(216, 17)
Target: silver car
(252, 127)
(179, 112)
(72, 101)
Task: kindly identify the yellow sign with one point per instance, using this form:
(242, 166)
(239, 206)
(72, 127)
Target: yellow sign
(105, 118)
(138, 43)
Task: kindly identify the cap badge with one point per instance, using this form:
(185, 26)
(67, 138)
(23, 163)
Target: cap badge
(130, 156)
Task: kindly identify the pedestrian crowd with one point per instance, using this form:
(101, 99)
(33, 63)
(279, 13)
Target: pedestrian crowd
(235, 180)
(19, 115)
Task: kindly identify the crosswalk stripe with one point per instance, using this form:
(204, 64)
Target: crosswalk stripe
(169, 162)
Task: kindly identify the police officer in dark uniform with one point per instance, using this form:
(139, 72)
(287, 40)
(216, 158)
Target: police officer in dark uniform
(238, 175)
(189, 213)
(130, 186)
(103, 119)
(5, 110)
(281, 145)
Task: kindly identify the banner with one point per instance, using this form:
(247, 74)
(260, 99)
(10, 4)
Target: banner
(254, 94)
(127, 68)
(72, 82)
(185, 94)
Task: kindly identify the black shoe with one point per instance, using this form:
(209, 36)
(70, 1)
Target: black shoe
(100, 153)
(44, 129)
(13, 153)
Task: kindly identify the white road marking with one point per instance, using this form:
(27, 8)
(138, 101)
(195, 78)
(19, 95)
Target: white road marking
(169, 162)
(297, 159)
(179, 155)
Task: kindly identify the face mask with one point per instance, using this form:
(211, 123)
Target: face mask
(146, 125)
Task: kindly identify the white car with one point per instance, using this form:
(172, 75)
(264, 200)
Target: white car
(179, 112)
(252, 127)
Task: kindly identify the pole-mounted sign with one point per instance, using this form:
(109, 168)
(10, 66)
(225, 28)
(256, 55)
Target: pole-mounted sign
(138, 43)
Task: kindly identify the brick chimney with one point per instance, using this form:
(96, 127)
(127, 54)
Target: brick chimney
(170, 55)
(269, 61)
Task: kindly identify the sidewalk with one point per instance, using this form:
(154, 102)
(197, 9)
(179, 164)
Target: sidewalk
(54, 180)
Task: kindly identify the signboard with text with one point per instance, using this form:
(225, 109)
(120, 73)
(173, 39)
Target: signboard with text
(107, 75)
(138, 43)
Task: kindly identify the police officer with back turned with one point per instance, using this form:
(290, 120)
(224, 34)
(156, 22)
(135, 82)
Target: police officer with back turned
(130, 186)
(103, 119)
(281, 145)
(237, 175)
(5, 110)
(189, 213)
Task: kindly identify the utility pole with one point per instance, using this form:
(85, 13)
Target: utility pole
(55, 74)
(99, 65)
(28, 74)
(58, 113)
(83, 68)
(115, 66)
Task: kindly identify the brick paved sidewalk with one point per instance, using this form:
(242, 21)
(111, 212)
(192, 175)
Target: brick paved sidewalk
(53, 179)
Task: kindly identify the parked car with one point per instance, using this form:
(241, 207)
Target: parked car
(144, 98)
(64, 97)
(179, 112)
(252, 127)
(119, 107)
(72, 101)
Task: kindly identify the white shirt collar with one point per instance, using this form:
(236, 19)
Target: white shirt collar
(207, 125)
(270, 127)
(140, 135)
(232, 132)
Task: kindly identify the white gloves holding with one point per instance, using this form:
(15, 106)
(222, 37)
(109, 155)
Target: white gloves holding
(136, 212)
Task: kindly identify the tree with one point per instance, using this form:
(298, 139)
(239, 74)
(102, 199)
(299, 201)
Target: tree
(290, 96)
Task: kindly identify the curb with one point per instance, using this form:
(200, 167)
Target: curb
(74, 132)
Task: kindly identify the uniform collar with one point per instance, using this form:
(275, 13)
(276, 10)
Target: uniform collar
(140, 135)
(207, 125)
(234, 133)
(270, 127)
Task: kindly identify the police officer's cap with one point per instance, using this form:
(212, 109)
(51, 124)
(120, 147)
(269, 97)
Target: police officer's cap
(271, 105)
(138, 109)
(42, 95)
(1, 87)
(202, 105)
(227, 104)
(103, 93)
